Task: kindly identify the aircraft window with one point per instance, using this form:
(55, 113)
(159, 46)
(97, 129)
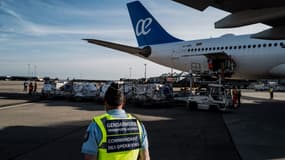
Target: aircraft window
(203, 49)
(264, 45)
(218, 48)
(275, 44)
(199, 49)
(254, 46)
(249, 46)
(222, 48)
(269, 45)
(214, 48)
(244, 46)
(195, 49)
(239, 47)
(192, 50)
(226, 47)
(206, 49)
(210, 49)
(189, 50)
(259, 45)
(282, 44)
(231, 47)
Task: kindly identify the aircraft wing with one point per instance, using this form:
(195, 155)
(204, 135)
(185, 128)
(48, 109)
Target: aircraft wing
(142, 52)
(247, 12)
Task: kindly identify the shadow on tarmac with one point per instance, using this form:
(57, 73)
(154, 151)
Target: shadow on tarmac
(24, 142)
(19, 96)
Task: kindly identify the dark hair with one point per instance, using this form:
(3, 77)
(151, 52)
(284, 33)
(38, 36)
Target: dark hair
(114, 96)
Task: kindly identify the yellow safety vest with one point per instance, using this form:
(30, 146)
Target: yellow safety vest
(121, 137)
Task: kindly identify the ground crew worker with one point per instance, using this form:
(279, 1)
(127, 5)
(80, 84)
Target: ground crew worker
(25, 86)
(35, 87)
(271, 92)
(238, 95)
(210, 65)
(235, 97)
(30, 88)
(115, 135)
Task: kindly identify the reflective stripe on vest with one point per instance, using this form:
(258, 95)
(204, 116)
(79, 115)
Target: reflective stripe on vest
(121, 137)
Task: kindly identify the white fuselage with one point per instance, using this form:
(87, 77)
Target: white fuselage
(254, 58)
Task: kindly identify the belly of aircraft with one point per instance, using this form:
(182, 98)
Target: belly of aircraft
(278, 71)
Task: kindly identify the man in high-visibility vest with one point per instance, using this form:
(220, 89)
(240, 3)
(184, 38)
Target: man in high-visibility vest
(115, 135)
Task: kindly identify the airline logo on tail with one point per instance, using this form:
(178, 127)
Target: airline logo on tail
(142, 27)
(147, 30)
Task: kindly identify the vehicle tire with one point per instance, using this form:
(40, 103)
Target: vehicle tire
(77, 99)
(192, 106)
(213, 108)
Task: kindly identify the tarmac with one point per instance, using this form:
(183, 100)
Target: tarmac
(33, 129)
(257, 128)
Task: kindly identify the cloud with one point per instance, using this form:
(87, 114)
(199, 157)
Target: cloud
(92, 13)
(21, 19)
(47, 30)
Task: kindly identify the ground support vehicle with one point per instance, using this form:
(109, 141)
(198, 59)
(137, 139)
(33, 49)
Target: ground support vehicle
(217, 97)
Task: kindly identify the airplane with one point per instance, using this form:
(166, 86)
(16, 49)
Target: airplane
(235, 57)
(245, 12)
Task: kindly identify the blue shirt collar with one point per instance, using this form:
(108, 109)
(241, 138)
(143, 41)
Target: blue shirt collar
(116, 112)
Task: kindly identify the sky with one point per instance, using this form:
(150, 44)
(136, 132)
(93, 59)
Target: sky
(44, 37)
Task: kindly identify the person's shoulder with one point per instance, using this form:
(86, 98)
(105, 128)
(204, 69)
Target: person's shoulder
(93, 126)
(99, 116)
(93, 123)
(138, 119)
(134, 116)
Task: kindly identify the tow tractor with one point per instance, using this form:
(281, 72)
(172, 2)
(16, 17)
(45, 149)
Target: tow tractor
(215, 97)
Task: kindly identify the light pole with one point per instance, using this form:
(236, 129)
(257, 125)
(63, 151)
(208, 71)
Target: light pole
(190, 81)
(29, 65)
(35, 70)
(130, 70)
(145, 71)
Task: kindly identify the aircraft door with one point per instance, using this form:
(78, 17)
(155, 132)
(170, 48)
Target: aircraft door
(175, 54)
(175, 57)
(223, 66)
(196, 67)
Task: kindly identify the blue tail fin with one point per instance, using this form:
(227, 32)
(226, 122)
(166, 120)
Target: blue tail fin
(148, 31)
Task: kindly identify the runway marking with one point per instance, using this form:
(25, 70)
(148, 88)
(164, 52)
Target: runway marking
(15, 106)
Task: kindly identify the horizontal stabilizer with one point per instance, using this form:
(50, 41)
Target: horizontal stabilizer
(143, 52)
